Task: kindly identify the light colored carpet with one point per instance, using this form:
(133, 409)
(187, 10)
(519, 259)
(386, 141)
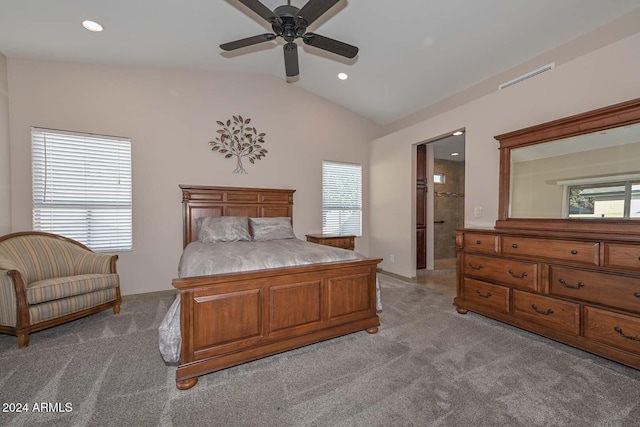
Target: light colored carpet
(428, 366)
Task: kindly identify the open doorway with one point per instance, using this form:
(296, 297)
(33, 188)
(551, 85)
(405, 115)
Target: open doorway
(439, 201)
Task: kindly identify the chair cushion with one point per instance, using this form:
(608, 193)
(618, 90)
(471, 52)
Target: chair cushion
(60, 307)
(63, 287)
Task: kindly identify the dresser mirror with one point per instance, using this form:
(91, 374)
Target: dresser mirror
(580, 173)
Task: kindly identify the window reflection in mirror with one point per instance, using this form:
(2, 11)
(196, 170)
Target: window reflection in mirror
(588, 176)
(616, 200)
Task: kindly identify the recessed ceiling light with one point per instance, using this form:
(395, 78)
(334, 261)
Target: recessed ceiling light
(343, 76)
(455, 154)
(92, 26)
(456, 133)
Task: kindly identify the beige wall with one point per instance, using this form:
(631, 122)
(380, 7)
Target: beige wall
(602, 77)
(5, 175)
(170, 115)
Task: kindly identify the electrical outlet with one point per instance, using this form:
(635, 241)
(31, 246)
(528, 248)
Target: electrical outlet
(477, 211)
(392, 258)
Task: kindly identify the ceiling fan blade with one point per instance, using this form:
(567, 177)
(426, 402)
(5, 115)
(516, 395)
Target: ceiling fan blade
(291, 59)
(262, 10)
(249, 41)
(331, 45)
(313, 10)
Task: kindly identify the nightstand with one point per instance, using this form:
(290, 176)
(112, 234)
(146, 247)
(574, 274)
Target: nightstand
(335, 240)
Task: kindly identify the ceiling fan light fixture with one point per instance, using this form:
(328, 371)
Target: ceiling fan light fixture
(92, 26)
(343, 76)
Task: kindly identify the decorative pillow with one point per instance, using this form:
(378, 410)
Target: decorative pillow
(213, 229)
(271, 228)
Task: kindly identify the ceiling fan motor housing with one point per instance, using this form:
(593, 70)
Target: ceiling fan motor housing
(286, 11)
(290, 26)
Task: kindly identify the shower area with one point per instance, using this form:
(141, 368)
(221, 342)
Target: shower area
(439, 201)
(448, 211)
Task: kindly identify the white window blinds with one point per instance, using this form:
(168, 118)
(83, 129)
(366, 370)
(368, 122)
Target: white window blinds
(341, 198)
(82, 187)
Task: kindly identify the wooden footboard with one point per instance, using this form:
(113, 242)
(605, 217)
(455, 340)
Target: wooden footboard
(229, 319)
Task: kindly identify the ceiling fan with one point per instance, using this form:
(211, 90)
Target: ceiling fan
(291, 23)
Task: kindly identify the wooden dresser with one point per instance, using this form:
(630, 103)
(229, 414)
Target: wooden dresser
(335, 240)
(582, 289)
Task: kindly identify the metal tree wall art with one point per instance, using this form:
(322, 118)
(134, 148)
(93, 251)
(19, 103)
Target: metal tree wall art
(237, 138)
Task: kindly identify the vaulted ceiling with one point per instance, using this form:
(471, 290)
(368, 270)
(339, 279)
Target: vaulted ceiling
(413, 53)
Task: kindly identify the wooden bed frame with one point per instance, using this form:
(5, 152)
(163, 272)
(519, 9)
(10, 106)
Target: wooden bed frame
(229, 319)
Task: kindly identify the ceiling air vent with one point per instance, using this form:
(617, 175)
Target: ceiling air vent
(527, 76)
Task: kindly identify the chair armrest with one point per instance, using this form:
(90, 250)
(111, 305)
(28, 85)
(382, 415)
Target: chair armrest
(9, 264)
(12, 292)
(92, 263)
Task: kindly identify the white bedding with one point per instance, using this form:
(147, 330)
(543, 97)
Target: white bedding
(200, 259)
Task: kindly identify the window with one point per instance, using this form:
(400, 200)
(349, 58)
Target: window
(438, 178)
(82, 187)
(605, 200)
(341, 198)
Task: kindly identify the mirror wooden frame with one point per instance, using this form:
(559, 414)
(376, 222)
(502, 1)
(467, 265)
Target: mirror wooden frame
(622, 114)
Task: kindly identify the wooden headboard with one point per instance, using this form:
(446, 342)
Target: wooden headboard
(201, 201)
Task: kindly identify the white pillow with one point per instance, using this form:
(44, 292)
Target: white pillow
(275, 228)
(212, 229)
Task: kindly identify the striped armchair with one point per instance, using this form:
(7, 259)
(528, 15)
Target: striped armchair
(46, 280)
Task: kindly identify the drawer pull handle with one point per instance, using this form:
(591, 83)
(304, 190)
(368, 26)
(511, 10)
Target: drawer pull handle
(478, 242)
(574, 252)
(546, 313)
(514, 246)
(636, 294)
(618, 329)
(487, 295)
(566, 285)
(474, 267)
(522, 276)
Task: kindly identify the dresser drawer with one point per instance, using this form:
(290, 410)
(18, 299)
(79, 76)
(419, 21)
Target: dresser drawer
(477, 242)
(520, 274)
(491, 296)
(567, 250)
(622, 256)
(613, 329)
(549, 312)
(601, 288)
